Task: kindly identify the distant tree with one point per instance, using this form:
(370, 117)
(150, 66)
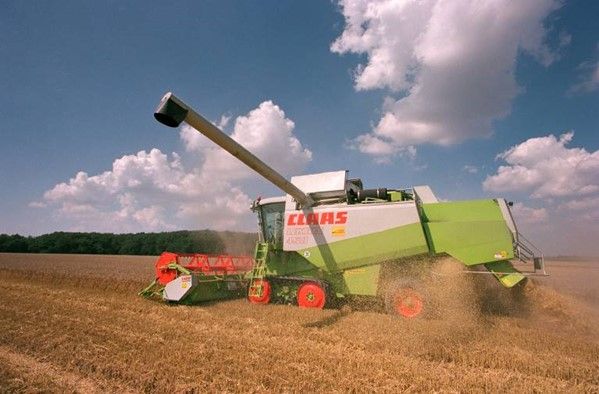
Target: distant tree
(13, 243)
(200, 241)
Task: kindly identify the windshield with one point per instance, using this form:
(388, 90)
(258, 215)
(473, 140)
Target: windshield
(271, 216)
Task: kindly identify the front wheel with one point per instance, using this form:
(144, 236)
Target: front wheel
(259, 291)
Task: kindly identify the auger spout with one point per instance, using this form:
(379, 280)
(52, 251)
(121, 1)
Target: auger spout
(172, 111)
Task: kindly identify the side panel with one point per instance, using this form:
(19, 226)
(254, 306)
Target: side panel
(346, 244)
(330, 224)
(177, 289)
(369, 249)
(473, 232)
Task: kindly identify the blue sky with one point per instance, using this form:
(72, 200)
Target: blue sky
(399, 93)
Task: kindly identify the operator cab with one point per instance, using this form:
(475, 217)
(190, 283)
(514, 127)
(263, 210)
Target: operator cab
(271, 216)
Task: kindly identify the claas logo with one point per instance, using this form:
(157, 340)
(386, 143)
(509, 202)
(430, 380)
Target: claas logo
(314, 218)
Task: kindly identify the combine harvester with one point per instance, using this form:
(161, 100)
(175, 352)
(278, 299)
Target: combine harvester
(329, 238)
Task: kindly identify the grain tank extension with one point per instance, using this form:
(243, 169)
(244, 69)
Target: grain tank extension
(329, 237)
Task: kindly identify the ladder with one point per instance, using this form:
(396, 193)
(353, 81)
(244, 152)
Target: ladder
(259, 270)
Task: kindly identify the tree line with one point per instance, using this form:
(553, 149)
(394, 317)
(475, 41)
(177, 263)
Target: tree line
(202, 241)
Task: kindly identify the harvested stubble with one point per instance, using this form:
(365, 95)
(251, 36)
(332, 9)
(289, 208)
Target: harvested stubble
(75, 323)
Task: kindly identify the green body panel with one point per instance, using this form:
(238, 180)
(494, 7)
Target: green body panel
(356, 252)
(351, 266)
(282, 263)
(473, 232)
(361, 281)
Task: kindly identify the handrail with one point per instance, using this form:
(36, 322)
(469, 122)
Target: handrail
(525, 251)
(529, 243)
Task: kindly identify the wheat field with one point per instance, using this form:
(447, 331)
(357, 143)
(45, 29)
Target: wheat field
(74, 323)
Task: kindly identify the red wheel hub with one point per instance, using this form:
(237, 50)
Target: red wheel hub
(311, 295)
(408, 303)
(259, 292)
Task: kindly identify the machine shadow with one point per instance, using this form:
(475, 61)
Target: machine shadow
(322, 244)
(330, 320)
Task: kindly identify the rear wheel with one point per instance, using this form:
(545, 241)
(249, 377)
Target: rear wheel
(406, 299)
(311, 295)
(259, 291)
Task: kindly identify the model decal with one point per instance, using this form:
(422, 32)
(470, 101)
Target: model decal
(338, 231)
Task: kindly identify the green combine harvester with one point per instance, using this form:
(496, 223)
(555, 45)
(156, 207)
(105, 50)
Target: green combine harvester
(329, 238)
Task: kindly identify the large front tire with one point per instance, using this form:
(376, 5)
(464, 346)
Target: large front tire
(259, 291)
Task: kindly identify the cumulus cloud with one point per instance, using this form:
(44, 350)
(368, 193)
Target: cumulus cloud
(145, 191)
(563, 182)
(223, 122)
(524, 214)
(470, 169)
(546, 167)
(154, 191)
(582, 204)
(453, 62)
(379, 149)
(586, 209)
(264, 131)
(590, 78)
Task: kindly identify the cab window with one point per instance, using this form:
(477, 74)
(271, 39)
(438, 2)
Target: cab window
(272, 216)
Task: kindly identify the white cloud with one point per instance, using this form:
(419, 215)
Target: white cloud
(582, 204)
(223, 122)
(453, 60)
(381, 150)
(590, 78)
(264, 131)
(470, 169)
(546, 167)
(151, 191)
(193, 140)
(583, 209)
(132, 196)
(524, 214)
(563, 182)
